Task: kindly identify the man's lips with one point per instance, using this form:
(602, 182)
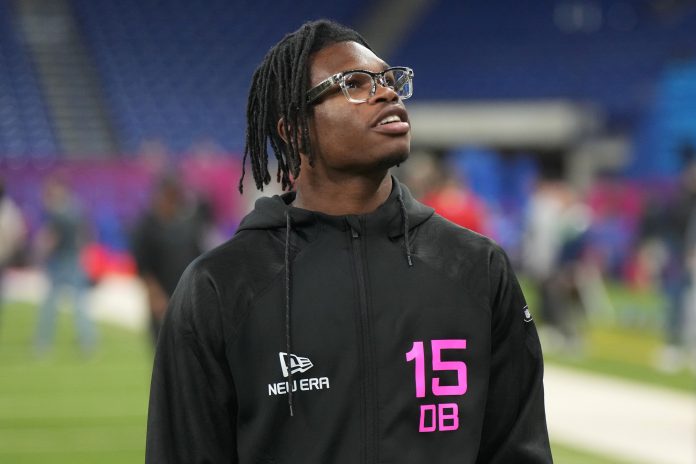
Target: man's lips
(392, 120)
(393, 128)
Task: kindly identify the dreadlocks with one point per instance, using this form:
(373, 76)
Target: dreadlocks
(277, 91)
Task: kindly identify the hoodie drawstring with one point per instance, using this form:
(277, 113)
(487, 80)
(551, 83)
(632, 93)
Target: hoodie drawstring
(288, 283)
(404, 220)
(288, 336)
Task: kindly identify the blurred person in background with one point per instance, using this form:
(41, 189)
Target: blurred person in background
(455, 201)
(688, 335)
(58, 245)
(12, 234)
(345, 322)
(673, 226)
(422, 173)
(166, 239)
(552, 252)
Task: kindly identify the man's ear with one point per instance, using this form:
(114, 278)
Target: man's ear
(281, 130)
(284, 135)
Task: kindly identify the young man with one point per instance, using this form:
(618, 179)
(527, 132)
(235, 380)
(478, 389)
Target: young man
(344, 322)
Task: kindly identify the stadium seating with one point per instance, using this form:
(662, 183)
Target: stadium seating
(178, 71)
(524, 50)
(25, 127)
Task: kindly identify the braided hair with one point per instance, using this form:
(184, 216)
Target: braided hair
(277, 91)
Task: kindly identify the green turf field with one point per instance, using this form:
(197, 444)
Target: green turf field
(65, 409)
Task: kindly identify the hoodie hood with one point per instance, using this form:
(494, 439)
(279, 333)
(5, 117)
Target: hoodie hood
(271, 212)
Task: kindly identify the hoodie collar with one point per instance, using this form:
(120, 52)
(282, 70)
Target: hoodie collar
(270, 213)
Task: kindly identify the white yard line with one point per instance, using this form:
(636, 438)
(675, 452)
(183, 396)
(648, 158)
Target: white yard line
(633, 422)
(118, 300)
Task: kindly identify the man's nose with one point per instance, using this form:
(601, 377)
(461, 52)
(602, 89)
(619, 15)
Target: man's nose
(384, 93)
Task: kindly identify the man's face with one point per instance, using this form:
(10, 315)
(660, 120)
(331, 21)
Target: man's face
(346, 136)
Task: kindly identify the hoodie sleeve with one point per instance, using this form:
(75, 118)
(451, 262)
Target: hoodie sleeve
(192, 408)
(514, 428)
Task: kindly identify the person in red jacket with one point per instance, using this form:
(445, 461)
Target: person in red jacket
(454, 201)
(344, 322)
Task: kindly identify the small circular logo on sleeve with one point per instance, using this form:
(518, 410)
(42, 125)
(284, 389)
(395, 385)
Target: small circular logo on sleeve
(527, 314)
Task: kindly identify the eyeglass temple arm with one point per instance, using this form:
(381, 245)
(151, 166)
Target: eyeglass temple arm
(320, 89)
(402, 81)
(408, 75)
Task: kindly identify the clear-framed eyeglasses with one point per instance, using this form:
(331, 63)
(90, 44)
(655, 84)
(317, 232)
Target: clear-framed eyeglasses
(359, 85)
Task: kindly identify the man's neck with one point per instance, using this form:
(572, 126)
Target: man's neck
(344, 195)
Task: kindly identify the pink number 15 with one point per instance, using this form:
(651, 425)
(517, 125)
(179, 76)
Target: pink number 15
(417, 354)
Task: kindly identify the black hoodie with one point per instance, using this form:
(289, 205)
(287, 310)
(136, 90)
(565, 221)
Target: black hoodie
(411, 342)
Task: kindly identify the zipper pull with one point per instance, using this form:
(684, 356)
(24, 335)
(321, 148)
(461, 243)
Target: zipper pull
(355, 226)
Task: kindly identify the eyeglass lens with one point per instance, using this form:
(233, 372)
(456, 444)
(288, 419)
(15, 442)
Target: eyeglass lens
(359, 85)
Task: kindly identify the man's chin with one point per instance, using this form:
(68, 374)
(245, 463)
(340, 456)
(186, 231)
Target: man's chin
(377, 164)
(394, 159)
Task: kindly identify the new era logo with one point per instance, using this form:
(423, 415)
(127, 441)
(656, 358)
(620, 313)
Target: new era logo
(297, 364)
(290, 365)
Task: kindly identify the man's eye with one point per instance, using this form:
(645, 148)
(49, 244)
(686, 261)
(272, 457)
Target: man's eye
(358, 81)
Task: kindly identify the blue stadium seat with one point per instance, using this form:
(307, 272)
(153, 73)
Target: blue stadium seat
(24, 120)
(515, 50)
(180, 70)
